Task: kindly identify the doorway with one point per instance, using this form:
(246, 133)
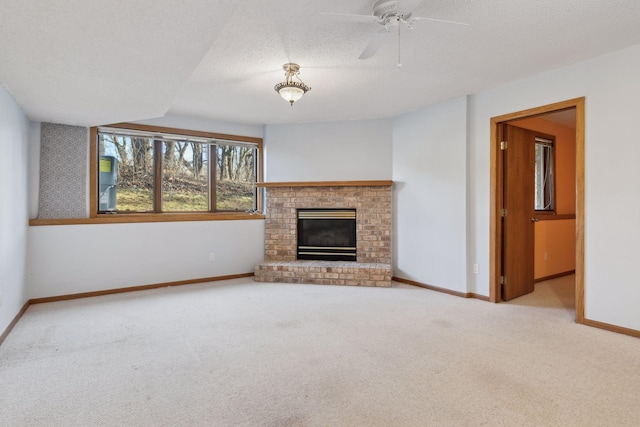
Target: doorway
(497, 238)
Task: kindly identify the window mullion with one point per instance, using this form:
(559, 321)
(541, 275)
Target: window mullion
(213, 173)
(157, 175)
(256, 204)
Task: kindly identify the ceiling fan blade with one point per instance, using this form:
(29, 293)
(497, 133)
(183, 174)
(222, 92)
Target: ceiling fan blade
(407, 6)
(345, 17)
(375, 43)
(420, 18)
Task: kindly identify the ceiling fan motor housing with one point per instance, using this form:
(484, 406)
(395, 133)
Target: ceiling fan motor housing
(387, 10)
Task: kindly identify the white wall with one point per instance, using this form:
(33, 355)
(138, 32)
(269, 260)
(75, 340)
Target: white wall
(14, 144)
(429, 174)
(612, 182)
(328, 151)
(68, 259)
(308, 152)
(83, 258)
(610, 85)
(205, 125)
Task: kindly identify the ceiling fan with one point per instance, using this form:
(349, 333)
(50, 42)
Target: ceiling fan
(392, 15)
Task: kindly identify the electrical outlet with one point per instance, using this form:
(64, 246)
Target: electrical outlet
(0, 298)
(475, 268)
(546, 256)
(212, 256)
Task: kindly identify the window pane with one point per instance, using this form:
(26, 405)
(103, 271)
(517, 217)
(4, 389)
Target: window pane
(125, 173)
(235, 177)
(194, 173)
(185, 176)
(544, 191)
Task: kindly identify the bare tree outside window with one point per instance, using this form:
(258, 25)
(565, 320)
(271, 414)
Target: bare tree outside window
(185, 178)
(184, 175)
(235, 177)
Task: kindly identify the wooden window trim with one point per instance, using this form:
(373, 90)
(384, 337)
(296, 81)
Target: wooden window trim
(93, 174)
(148, 217)
(375, 183)
(99, 218)
(553, 216)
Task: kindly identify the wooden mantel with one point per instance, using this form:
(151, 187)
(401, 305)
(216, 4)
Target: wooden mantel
(325, 184)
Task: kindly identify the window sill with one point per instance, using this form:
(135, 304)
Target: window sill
(138, 218)
(553, 216)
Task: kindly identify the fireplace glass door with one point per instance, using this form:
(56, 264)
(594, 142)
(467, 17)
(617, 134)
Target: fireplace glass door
(327, 234)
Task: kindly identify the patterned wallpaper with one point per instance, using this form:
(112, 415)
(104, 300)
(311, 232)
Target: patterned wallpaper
(63, 171)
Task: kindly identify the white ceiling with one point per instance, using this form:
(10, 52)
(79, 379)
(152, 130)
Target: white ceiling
(92, 62)
(565, 118)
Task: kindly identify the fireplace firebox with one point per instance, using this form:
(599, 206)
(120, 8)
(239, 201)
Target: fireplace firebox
(327, 234)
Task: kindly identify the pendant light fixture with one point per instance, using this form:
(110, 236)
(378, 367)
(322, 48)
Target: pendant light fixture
(289, 89)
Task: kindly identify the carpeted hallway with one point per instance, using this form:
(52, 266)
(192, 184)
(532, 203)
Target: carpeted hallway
(241, 353)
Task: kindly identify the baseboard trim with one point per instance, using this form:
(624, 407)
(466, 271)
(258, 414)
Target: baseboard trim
(137, 288)
(612, 328)
(555, 276)
(478, 296)
(443, 290)
(13, 323)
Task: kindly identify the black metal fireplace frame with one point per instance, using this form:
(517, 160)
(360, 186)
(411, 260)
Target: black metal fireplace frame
(326, 222)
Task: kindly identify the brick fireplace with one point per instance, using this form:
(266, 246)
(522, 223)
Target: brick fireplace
(372, 203)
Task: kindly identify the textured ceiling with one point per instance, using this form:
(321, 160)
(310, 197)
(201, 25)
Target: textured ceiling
(95, 62)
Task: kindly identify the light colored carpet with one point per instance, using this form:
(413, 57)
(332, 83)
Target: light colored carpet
(240, 353)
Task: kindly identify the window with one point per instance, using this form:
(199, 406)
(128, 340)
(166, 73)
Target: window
(142, 169)
(544, 175)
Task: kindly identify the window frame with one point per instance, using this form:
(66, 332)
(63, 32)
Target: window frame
(156, 215)
(550, 141)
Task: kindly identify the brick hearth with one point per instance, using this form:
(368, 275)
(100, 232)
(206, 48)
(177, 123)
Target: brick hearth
(372, 201)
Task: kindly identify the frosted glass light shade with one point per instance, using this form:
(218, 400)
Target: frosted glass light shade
(291, 93)
(290, 90)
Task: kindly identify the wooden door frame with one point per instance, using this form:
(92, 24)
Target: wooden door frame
(495, 231)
